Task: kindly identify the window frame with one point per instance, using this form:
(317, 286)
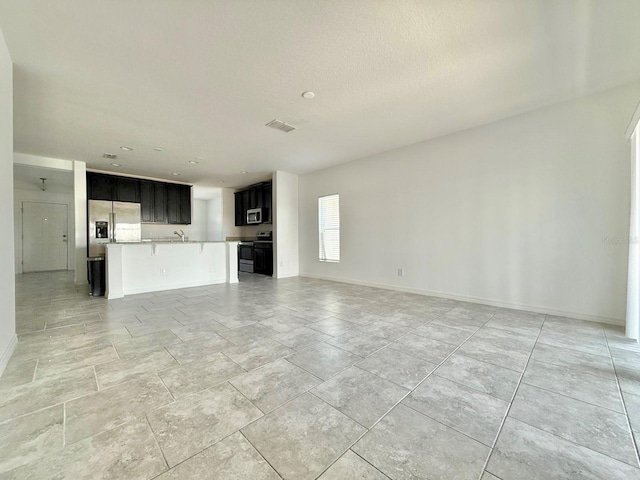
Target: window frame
(321, 230)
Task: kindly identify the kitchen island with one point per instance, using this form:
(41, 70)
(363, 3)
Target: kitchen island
(155, 266)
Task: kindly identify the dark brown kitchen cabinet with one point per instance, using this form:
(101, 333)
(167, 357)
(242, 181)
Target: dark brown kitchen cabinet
(263, 258)
(127, 190)
(178, 204)
(240, 211)
(100, 187)
(185, 204)
(255, 196)
(160, 202)
(265, 191)
(153, 202)
(147, 202)
(246, 200)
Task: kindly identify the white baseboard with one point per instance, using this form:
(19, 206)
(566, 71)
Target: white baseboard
(288, 275)
(6, 355)
(483, 301)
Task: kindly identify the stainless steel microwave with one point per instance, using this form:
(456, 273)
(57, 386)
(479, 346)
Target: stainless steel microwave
(254, 216)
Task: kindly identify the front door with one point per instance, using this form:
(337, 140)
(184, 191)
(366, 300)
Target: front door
(44, 236)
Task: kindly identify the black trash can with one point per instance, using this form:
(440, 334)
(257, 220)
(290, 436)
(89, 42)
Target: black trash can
(97, 280)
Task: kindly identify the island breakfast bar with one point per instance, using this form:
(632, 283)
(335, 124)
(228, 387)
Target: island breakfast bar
(154, 266)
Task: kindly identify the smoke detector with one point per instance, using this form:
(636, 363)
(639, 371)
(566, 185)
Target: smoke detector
(109, 156)
(279, 125)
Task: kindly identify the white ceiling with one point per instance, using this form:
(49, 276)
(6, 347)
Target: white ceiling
(200, 78)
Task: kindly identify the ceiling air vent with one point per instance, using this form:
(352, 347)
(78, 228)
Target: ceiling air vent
(278, 125)
(110, 156)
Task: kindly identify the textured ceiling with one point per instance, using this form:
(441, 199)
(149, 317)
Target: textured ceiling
(200, 78)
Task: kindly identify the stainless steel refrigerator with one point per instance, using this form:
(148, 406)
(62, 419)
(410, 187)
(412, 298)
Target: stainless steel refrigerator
(112, 222)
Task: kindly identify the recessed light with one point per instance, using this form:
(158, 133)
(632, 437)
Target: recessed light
(193, 162)
(157, 149)
(308, 95)
(116, 165)
(176, 174)
(128, 149)
(243, 172)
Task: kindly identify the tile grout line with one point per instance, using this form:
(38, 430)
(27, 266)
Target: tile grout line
(35, 369)
(116, 350)
(624, 404)
(364, 460)
(571, 398)
(64, 424)
(399, 402)
(448, 426)
(155, 439)
(258, 451)
(7, 420)
(95, 375)
(566, 439)
(574, 442)
(167, 388)
(217, 441)
(174, 358)
(506, 414)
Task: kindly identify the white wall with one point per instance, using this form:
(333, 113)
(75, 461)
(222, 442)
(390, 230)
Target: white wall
(285, 223)
(80, 213)
(214, 217)
(229, 228)
(8, 337)
(36, 195)
(517, 212)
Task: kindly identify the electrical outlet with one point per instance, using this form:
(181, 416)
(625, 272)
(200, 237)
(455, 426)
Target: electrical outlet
(401, 272)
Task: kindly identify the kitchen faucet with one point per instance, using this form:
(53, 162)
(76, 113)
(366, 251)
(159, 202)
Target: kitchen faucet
(180, 234)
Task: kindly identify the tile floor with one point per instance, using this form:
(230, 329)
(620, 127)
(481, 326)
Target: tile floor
(304, 379)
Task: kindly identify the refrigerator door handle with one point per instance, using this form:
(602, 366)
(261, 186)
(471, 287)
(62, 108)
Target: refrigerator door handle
(111, 227)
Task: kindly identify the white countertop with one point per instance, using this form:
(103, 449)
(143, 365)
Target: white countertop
(164, 242)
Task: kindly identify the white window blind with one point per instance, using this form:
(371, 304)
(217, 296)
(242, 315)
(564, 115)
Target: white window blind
(329, 228)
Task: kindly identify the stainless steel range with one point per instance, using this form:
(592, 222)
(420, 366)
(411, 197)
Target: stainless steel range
(256, 256)
(245, 257)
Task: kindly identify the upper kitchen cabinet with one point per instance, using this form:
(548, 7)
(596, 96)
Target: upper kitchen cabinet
(240, 211)
(160, 202)
(100, 187)
(265, 197)
(178, 204)
(255, 196)
(185, 204)
(153, 200)
(127, 190)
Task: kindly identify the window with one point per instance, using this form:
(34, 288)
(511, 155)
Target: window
(329, 228)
